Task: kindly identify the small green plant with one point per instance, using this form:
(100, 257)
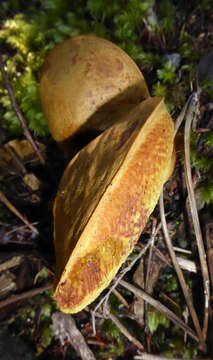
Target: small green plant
(113, 333)
(167, 74)
(171, 283)
(155, 318)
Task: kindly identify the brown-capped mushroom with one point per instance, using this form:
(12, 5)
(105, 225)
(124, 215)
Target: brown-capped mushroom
(104, 200)
(87, 84)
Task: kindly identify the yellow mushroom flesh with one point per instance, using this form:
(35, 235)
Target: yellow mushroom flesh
(105, 198)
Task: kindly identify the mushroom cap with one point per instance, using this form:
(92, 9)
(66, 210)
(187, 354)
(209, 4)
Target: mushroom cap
(88, 83)
(104, 200)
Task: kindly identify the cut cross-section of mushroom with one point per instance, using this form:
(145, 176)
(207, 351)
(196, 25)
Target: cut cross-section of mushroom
(87, 84)
(104, 200)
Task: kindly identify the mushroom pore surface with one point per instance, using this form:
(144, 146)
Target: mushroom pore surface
(104, 200)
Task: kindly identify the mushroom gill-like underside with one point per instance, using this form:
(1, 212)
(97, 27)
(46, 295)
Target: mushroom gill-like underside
(104, 200)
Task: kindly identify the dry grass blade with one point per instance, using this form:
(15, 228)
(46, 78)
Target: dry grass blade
(19, 113)
(160, 307)
(181, 116)
(180, 274)
(25, 295)
(11, 263)
(12, 208)
(209, 242)
(120, 298)
(124, 331)
(149, 264)
(193, 207)
(145, 356)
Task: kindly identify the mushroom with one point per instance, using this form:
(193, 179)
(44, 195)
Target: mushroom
(87, 84)
(105, 198)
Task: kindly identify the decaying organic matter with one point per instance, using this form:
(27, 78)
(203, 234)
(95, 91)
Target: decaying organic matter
(104, 200)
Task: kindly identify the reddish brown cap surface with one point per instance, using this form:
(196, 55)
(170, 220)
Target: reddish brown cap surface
(88, 82)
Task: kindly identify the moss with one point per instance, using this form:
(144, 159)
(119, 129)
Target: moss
(116, 338)
(155, 318)
(32, 34)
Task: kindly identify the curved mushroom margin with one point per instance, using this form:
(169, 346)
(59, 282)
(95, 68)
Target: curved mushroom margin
(121, 208)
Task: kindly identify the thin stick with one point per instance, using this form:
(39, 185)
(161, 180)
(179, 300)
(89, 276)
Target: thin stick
(8, 264)
(28, 294)
(145, 356)
(194, 212)
(12, 208)
(183, 251)
(124, 331)
(162, 257)
(180, 118)
(185, 264)
(20, 228)
(121, 298)
(160, 307)
(19, 113)
(150, 255)
(180, 274)
(209, 242)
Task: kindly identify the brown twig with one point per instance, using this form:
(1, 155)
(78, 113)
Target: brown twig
(168, 299)
(160, 307)
(148, 284)
(12, 208)
(180, 274)
(149, 264)
(181, 116)
(28, 294)
(162, 257)
(209, 242)
(145, 356)
(181, 250)
(20, 228)
(121, 298)
(193, 207)
(11, 263)
(125, 332)
(19, 113)
(184, 263)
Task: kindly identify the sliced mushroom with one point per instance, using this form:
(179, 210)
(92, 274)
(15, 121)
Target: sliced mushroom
(104, 200)
(87, 84)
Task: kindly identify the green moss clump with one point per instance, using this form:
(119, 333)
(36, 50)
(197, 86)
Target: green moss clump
(145, 30)
(155, 318)
(117, 339)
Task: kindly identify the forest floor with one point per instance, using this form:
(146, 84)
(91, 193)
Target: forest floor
(134, 326)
